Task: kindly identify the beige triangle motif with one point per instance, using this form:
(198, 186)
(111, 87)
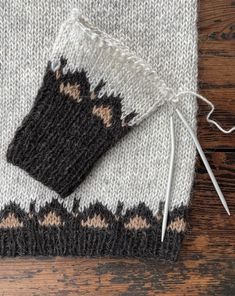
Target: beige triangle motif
(51, 219)
(178, 224)
(73, 90)
(93, 95)
(105, 113)
(11, 221)
(96, 221)
(137, 223)
(57, 74)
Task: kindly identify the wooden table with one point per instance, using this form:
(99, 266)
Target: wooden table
(207, 262)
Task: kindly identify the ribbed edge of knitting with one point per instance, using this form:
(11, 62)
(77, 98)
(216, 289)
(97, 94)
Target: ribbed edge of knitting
(93, 232)
(70, 241)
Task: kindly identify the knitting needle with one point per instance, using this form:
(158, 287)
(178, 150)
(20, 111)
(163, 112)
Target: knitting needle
(170, 177)
(203, 157)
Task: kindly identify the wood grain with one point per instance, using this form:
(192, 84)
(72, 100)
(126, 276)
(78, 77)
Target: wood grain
(216, 70)
(207, 262)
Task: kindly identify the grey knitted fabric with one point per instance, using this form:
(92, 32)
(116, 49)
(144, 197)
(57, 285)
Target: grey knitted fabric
(119, 204)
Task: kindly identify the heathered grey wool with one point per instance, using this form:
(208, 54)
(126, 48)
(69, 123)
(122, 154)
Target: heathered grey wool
(164, 34)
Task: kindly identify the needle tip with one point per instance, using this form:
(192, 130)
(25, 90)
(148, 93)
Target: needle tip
(226, 207)
(163, 234)
(163, 227)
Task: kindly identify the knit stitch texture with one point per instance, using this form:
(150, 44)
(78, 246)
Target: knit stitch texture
(93, 91)
(129, 181)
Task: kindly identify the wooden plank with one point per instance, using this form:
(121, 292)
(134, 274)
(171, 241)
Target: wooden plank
(212, 68)
(209, 136)
(206, 265)
(217, 70)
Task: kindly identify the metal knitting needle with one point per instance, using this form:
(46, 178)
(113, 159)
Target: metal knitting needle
(203, 157)
(170, 177)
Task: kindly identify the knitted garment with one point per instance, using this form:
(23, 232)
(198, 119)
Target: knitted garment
(94, 89)
(104, 74)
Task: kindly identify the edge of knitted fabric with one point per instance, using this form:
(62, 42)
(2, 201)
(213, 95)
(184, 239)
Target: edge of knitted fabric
(104, 58)
(96, 231)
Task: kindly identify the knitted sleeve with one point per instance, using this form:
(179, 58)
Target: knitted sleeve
(94, 90)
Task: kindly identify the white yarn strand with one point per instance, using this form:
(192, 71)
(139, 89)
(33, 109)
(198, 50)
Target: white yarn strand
(170, 178)
(188, 92)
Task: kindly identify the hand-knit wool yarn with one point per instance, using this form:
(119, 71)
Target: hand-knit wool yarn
(117, 208)
(93, 91)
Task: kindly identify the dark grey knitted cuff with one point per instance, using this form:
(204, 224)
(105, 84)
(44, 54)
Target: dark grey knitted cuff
(93, 91)
(66, 131)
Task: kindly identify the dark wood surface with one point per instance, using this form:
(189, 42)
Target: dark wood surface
(207, 262)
